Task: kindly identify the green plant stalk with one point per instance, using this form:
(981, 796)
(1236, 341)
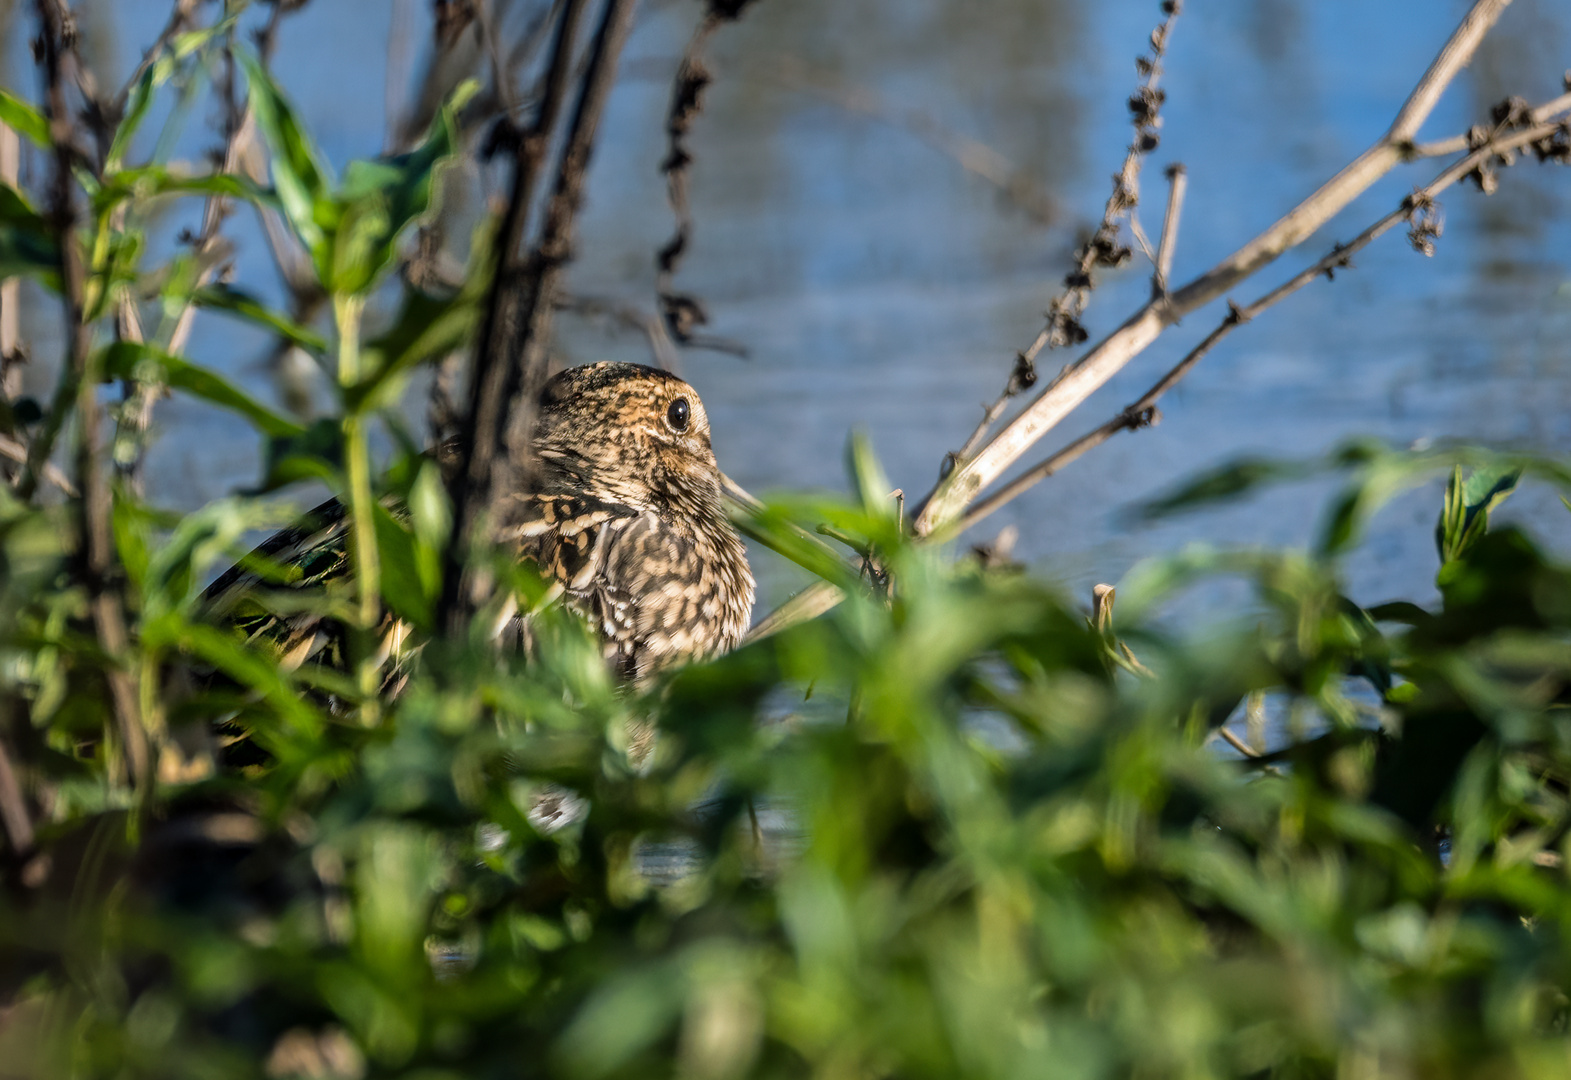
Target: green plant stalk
(347, 310)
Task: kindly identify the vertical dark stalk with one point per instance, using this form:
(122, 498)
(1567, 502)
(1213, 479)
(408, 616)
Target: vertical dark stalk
(681, 311)
(96, 552)
(479, 438)
(493, 445)
(543, 271)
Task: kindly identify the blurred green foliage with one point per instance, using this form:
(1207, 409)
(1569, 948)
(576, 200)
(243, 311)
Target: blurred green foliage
(954, 828)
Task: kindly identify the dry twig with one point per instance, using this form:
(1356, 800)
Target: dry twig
(944, 511)
(1103, 250)
(973, 474)
(1419, 209)
(96, 550)
(684, 312)
(481, 437)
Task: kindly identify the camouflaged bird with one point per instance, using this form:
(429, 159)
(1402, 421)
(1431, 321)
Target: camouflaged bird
(624, 514)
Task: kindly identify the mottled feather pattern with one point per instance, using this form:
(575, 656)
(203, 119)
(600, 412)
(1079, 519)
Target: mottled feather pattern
(625, 513)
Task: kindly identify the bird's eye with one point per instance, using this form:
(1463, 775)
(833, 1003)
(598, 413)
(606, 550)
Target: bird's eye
(678, 414)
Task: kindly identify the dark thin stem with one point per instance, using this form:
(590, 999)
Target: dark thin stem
(682, 312)
(554, 247)
(499, 70)
(661, 349)
(479, 440)
(96, 547)
(13, 807)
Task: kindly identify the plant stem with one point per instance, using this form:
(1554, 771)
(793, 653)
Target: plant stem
(362, 526)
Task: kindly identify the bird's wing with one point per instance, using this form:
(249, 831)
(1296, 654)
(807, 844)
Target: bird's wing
(252, 595)
(645, 597)
(619, 567)
(264, 597)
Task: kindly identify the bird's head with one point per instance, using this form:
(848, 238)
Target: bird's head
(639, 433)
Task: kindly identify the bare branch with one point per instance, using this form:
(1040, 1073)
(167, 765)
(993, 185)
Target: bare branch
(96, 551)
(661, 348)
(1093, 370)
(494, 451)
(1453, 57)
(1236, 743)
(12, 450)
(1103, 249)
(806, 605)
(1169, 242)
(500, 75)
(178, 18)
(1144, 413)
(136, 413)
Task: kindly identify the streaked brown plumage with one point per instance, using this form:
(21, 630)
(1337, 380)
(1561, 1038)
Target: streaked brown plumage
(625, 513)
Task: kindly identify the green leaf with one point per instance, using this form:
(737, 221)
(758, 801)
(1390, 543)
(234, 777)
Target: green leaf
(136, 107)
(125, 359)
(427, 328)
(132, 534)
(151, 181)
(158, 73)
(300, 175)
(1231, 481)
(197, 540)
(777, 525)
(1378, 479)
(1465, 516)
(245, 306)
(246, 665)
(403, 585)
(27, 243)
(380, 198)
(868, 478)
(189, 42)
(27, 121)
(1400, 611)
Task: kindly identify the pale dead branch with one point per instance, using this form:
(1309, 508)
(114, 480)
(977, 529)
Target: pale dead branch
(973, 474)
(1103, 249)
(1417, 208)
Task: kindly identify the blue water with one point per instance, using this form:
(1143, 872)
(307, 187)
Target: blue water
(879, 286)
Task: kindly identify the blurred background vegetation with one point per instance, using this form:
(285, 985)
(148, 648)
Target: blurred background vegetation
(958, 826)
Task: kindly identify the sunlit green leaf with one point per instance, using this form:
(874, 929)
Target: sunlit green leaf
(379, 199)
(152, 181)
(1469, 498)
(125, 360)
(404, 587)
(136, 107)
(24, 119)
(237, 302)
(300, 175)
